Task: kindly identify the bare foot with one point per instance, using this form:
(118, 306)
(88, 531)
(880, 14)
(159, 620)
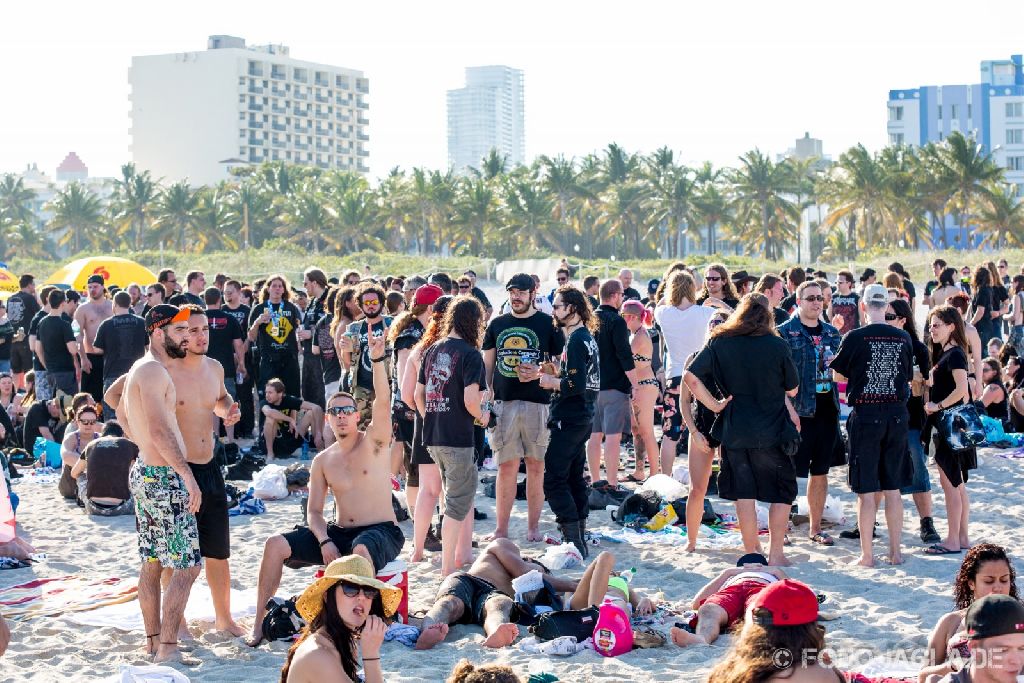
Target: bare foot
(684, 638)
(534, 536)
(151, 645)
(256, 637)
(779, 561)
(230, 626)
(431, 636)
(690, 548)
(496, 534)
(184, 633)
(894, 558)
(503, 635)
(171, 653)
(865, 561)
(417, 556)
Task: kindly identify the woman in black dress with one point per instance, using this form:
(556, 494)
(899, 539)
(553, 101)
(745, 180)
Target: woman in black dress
(949, 389)
(983, 305)
(994, 397)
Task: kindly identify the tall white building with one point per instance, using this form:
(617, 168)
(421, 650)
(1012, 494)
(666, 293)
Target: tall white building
(197, 114)
(486, 114)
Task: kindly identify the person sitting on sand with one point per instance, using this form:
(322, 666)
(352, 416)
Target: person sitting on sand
(466, 672)
(722, 602)
(345, 606)
(996, 642)
(106, 493)
(73, 445)
(986, 570)
(780, 640)
(288, 420)
(356, 470)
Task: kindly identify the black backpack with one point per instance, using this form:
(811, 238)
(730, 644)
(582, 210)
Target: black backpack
(638, 505)
(569, 622)
(708, 516)
(602, 494)
(282, 621)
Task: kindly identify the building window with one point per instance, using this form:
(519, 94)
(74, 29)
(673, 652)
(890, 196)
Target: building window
(968, 110)
(895, 138)
(895, 113)
(1015, 163)
(940, 112)
(1014, 136)
(953, 111)
(1014, 110)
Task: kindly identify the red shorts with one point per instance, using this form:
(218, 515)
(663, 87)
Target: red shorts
(735, 598)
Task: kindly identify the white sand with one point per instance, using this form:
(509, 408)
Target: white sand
(883, 608)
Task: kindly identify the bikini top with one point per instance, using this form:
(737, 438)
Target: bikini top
(620, 583)
(637, 358)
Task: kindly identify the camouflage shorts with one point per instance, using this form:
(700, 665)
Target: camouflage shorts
(364, 402)
(168, 532)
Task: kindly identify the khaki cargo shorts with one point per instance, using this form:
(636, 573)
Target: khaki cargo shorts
(521, 430)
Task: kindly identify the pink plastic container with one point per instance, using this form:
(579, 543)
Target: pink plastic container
(613, 634)
(6, 514)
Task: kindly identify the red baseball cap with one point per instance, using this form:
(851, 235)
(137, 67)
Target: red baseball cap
(427, 295)
(785, 603)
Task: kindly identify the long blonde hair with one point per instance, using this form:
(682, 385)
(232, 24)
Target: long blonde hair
(681, 286)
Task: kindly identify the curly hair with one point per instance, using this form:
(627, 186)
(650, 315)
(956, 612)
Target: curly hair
(404, 320)
(466, 672)
(265, 289)
(465, 317)
(754, 655)
(436, 324)
(577, 299)
(963, 596)
(371, 287)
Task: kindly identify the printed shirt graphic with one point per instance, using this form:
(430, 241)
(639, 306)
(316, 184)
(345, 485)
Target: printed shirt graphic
(514, 340)
(876, 360)
(822, 358)
(277, 336)
(516, 345)
(448, 368)
(846, 306)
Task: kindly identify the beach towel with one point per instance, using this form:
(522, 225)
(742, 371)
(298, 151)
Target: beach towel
(153, 673)
(60, 595)
(248, 504)
(127, 616)
(403, 633)
(11, 563)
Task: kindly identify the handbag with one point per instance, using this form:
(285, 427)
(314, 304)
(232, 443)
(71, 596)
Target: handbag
(578, 623)
(961, 427)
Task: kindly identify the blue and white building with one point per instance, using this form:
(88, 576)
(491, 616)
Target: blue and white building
(486, 114)
(991, 111)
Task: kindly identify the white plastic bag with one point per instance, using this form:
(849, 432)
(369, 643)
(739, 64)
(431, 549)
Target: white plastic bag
(270, 483)
(681, 473)
(153, 673)
(762, 516)
(833, 512)
(665, 486)
(562, 556)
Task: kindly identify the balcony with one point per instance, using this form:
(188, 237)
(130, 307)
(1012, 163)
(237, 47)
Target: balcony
(278, 109)
(279, 126)
(346, 101)
(362, 121)
(278, 74)
(345, 118)
(255, 106)
(322, 131)
(363, 169)
(300, 95)
(300, 76)
(256, 158)
(255, 70)
(255, 124)
(278, 91)
(341, 82)
(362, 153)
(342, 133)
(362, 86)
(322, 115)
(322, 81)
(301, 145)
(256, 142)
(280, 144)
(300, 112)
(256, 89)
(362, 105)
(321, 147)
(323, 99)
(362, 136)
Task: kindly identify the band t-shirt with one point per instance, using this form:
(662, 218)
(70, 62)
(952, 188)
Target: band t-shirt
(224, 330)
(877, 361)
(406, 339)
(521, 340)
(277, 336)
(123, 340)
(240, 314)
(21, 308)
(310, 317)
(361, 328)
(846, 306)
(323, 340)
(448, 367)
(289, 405)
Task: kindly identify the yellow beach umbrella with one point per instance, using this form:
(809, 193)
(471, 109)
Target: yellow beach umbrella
(115, 271)
(8, 281)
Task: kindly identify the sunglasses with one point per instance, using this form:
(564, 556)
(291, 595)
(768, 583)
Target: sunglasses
(351, 590)
(563, 280)
(341, 410)
(891, 316)
(371, 302)
(462, 286)
(712, 278)
(814, 297)
(87, 423)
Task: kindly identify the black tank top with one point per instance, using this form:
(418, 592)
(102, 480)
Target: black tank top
(998, 409)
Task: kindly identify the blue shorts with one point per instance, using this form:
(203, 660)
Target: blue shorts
(921, 483)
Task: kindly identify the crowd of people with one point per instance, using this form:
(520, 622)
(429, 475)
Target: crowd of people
(420, 379)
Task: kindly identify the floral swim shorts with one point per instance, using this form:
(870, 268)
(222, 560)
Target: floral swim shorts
(168, 532)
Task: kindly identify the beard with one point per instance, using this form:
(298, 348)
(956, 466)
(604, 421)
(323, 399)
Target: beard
(174, 350)
(519, 306)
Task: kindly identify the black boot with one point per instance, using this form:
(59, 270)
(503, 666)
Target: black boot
(571, 534)
(928, 532)
(583, 535)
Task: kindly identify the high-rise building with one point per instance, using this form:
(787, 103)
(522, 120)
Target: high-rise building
(196, 115)
(991, 111)
(486, 114)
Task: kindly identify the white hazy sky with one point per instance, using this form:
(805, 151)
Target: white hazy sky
(709, 79)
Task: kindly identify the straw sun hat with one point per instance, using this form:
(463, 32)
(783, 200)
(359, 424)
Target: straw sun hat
(351, 569)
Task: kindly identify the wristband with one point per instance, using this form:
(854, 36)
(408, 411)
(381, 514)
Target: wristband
(371, 659)
(323, 543)
(379, 360)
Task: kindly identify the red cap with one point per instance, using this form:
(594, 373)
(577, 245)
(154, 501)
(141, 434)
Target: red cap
(785, 603)
(427, 295)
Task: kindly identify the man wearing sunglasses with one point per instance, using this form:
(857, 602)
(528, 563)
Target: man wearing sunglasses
(356, 470)
(479, 294)
(355, 347)
(813, 344)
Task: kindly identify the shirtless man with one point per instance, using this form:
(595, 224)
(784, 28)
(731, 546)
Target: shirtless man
(483, 596)
(89, 316)
(357, 470)
(165, 491)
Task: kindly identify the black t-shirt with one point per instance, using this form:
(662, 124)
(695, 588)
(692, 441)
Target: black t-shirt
(999, 295)
(846, 305)
(277, 337)
(240, 314)
(33, 330)
(37, 417)
(21, 308)
(123, 340)
(364, 372)
(481, 297)
(110, 459)
(513, 338)
(573, 403)
(54, 333)
(757, 372)
(930, 287)
(984, 297)
(789, 303)
(909, 288)
(6, 338)
(943, 383)
(730, 302)
(328, 354)
(615, 355)
(194, 299)
(310, 317)
(877, 361)
(448, 367)
(289, 405)
(915, 404)
(406, 339)
(780, 316)
(224, 330)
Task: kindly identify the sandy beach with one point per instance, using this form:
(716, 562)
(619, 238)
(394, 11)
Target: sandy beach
(879, 611)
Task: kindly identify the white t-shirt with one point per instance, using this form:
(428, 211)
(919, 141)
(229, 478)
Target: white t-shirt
(762, 577)
(684, 333)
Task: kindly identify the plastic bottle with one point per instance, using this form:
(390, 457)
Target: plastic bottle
(628, 575)
(305, 449)
(613, 634)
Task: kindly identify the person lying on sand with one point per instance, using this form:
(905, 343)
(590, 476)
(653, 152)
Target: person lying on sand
(17, 548)
(722, 602)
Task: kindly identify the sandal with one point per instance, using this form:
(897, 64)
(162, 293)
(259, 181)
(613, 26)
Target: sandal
(939, 549)
(634, 479)
(821, 538)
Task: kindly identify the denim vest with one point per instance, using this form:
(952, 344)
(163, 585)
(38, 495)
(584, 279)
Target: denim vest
(801, 346)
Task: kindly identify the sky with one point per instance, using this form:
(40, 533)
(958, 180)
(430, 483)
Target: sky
(709, 80)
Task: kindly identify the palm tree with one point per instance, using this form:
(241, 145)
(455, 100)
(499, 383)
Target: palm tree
(759, 185)
(712, 208)
(493, 165)
(16, 200)
(306, 217)
(855, 192)
(670, 199)
(395, 209)
(970, 172)
(1001, 218)
(476, 209)
(252, 211)
(421, 196)
(211, 219)
(77, 212)
(133, 203)
(560, 179)
(175, 216)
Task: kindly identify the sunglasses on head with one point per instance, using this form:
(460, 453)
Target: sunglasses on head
(351, 590)
(341, 410)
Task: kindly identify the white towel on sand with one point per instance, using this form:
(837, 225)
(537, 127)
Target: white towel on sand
(127, 617)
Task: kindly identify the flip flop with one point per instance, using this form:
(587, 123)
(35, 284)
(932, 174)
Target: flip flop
(633, 479)
(821, 538)
(939, 549)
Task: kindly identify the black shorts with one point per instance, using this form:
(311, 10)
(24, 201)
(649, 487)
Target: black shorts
(21, 357)
(954, 464)
(763, 474)
(473, 592)
(286, 443)
(420, 455)
(212, 518)
(879, 459)
(818, 437)
(383, 541)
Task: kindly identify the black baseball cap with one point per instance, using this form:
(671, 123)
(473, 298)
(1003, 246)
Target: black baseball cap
(652, 286)
(752, 558)
(520, 281)
(96, 279)
(994, 615)
(165, 314)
